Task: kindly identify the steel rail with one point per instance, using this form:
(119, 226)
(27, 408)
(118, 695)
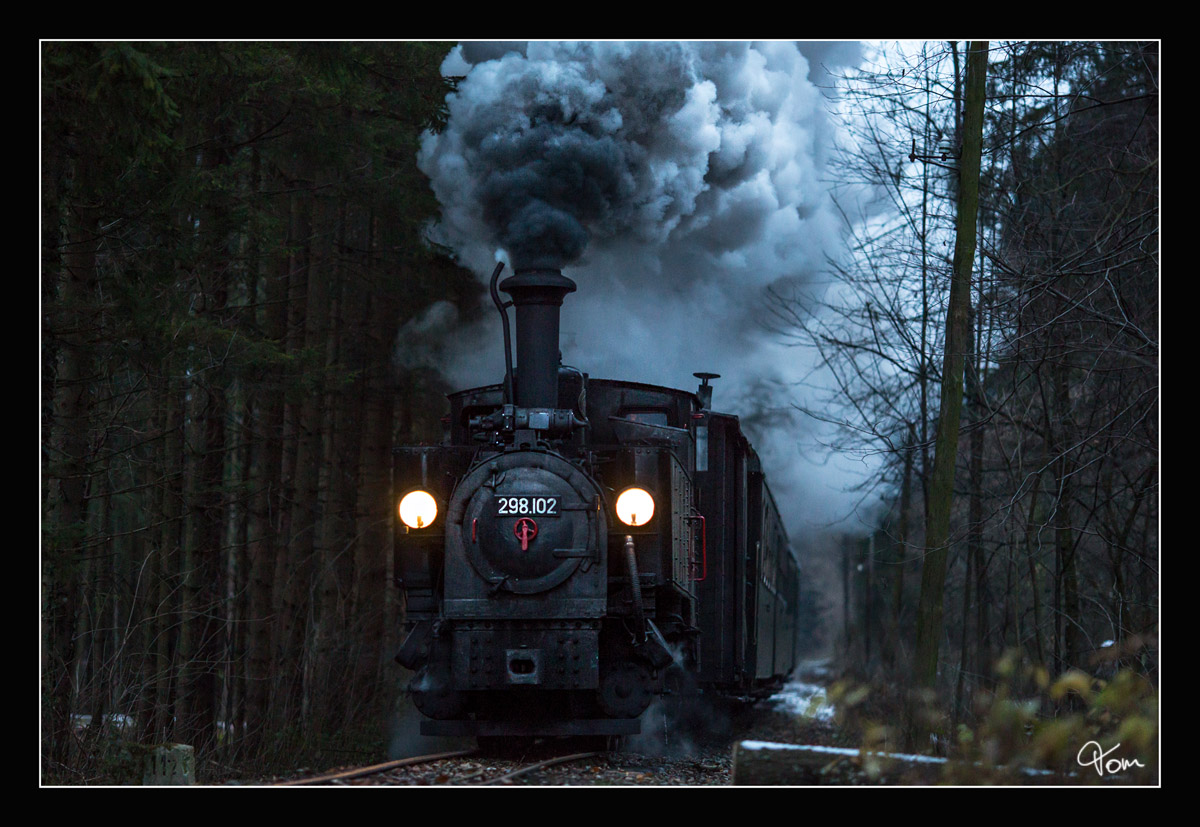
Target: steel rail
(562, 759)
(376, 768)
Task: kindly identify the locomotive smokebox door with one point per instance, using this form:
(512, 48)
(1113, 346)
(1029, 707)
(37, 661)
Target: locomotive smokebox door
(524, 522)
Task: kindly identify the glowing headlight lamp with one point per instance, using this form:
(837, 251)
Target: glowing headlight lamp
(418, 509)
(635, 506)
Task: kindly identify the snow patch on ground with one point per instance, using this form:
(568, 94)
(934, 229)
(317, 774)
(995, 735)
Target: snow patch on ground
(842, 751)
(856, 753)
(806, 700)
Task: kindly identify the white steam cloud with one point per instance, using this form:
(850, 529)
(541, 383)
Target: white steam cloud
(675, 183)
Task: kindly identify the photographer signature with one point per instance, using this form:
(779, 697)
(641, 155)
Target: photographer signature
(1098, 761)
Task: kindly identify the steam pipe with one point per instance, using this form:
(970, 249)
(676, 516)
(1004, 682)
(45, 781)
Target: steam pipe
(635, 586)
(508, 370)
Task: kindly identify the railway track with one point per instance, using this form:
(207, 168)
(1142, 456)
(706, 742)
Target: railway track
(563, 759)
(374, 769)
(500, 771)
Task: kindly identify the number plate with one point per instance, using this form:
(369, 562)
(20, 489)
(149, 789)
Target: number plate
(519, 505)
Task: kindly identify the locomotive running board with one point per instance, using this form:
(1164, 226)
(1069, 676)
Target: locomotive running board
(598, 726)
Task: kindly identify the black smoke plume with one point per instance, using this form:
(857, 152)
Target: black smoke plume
(675, 183)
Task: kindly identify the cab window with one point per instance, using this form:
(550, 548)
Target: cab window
(646, 416)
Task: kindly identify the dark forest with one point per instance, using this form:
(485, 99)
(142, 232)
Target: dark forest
(238, 241)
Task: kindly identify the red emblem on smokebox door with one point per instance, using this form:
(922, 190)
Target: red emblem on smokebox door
(525, 530)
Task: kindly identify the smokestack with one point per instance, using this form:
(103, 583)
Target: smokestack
(705, 390)
(537, 294)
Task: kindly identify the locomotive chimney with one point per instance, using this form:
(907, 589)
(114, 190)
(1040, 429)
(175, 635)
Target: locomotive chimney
(705, 390)
(537, 294)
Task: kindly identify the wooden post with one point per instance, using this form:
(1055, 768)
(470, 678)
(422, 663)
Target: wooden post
(169, 764)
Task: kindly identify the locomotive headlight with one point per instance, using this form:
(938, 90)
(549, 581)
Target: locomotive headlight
(418, 509)
(635, 506)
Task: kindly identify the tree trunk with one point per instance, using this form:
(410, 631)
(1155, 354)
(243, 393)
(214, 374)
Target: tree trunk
(262, 542)
(373, 520)
(937, 529)
(292, 559)
(66, 466)
(1031, 559)
(328, 625)
(1064, 532)
(902, 548)
(168, 610)
(203, 572)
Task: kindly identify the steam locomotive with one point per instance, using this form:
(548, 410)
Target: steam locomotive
(577, 547)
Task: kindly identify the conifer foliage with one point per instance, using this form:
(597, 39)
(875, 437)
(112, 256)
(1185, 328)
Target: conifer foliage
(231, 235)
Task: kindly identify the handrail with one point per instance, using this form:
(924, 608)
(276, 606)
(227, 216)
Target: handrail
(703, 546)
